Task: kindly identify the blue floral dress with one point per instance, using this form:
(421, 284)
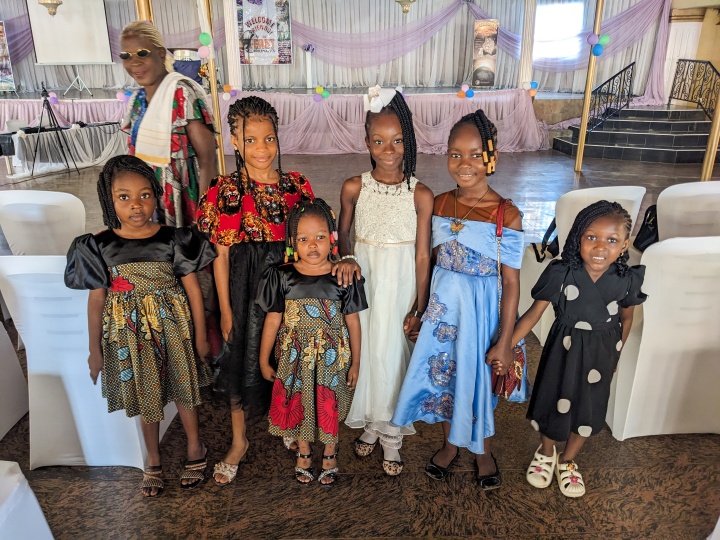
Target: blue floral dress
(447, 379)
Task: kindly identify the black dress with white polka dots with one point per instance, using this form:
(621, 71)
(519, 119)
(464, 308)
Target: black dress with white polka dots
(572, 386)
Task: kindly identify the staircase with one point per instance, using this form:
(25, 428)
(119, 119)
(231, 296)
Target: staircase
(668, 134)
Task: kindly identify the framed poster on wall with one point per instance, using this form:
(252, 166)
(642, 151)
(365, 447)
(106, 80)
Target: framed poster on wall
(7, 81)
(264, 31)
(485, 53)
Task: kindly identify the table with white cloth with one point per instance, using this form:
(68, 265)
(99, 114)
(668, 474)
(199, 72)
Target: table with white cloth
(20, 513)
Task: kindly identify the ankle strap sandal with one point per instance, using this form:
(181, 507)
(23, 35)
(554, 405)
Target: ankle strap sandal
(329, 473)
(304, 473)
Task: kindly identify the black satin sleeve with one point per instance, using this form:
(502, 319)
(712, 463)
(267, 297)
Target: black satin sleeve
(354, 298)
(86, 268)
(634, 296)
(192, 251)
(549, 284)
(271, 291)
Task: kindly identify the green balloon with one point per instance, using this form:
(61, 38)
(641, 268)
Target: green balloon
(325, 94)
(604, 40)
(205, 38)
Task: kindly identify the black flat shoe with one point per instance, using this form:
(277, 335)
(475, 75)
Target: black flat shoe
(489, 481)
(435, 471)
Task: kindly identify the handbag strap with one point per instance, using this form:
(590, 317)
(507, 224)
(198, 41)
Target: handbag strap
(498, 239)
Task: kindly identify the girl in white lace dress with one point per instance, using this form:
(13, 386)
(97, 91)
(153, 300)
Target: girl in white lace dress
(392, 214)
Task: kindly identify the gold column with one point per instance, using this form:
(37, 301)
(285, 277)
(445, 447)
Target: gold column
(144, 11)
(214, 94)
(712, 144)
(588, 90)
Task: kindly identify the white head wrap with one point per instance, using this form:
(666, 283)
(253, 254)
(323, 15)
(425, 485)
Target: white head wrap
(377, 98)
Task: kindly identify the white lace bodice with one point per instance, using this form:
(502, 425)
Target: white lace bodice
(384, 213)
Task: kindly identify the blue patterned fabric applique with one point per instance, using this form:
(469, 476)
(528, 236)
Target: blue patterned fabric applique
(445, 332)
(439, 404)
(435, 310)
(459, 258)
(441, 369)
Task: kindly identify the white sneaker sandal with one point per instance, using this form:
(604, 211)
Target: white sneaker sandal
(569, 479)
(540, 471)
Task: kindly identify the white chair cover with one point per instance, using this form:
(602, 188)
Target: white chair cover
(568, 207)
(20, 513)
(687, 210)
(69, 422)
(13, 386)
(668, 376)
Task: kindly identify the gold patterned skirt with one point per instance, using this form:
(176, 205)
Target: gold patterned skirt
(148, 347)
(310, 396)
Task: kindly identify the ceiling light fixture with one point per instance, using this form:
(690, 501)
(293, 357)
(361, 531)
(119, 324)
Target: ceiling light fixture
(51, 5)
(405, 5)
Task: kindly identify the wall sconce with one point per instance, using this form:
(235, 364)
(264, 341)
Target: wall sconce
(51, 5)
(405, 5)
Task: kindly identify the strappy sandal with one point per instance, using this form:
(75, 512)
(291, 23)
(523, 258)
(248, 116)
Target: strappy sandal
(329, 473)
(363, 449)
(152, 478)
(194, 470)
(226, 470)
(489, 482)
(304, 473)
(569, 479)
(435, 471)
(540, 472)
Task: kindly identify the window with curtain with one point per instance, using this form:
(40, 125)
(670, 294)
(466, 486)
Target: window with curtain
(556, 26)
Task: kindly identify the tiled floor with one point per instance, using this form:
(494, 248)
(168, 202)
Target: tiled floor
(664, 487)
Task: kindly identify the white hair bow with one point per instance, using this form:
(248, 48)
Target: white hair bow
(377, 98)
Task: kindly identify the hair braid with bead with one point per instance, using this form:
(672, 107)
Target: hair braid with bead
(571, 251)
(243, 109)
(488, 134)
(113, 168)
(399, 108)
(316, 207)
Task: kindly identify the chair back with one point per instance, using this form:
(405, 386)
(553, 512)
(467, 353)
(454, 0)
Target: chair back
(14, 125)
(687, 210)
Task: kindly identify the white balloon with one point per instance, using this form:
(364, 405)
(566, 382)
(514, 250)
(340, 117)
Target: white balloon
(226, 96)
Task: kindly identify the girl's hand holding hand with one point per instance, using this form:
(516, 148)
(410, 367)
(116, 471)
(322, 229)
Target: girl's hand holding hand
(345, 270)
(95, 361)
(203, 349)
(500, 358)
(226, 325)
(352, 376)
(267, 371)
(411, 326)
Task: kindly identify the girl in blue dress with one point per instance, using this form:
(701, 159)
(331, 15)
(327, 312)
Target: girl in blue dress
(448, 379)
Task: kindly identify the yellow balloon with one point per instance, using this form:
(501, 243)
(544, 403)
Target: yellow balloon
(319, 89)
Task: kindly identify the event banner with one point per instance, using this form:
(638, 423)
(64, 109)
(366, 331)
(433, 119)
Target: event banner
(485, 53)
(7, 82)
(264, 29)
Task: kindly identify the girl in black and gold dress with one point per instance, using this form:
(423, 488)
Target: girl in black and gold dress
(145, 312)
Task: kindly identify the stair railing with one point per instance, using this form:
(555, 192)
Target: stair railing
(609, 98)
(696, 81)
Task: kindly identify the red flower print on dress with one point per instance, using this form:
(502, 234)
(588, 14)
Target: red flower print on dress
(285, 413)
(120, 284)
(175, 144)
(327, 410)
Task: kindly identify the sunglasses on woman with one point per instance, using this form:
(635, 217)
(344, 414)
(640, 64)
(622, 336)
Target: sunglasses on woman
(140, 53)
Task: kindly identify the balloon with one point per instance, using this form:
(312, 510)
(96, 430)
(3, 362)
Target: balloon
(226, 96)
(604, 40)
(461, 94)
(526, 85)
(227, 88)
(597, 50)
(233, 93)
(120, 96)
(53, 100)
(52, 94)
(532, 92)
(464, 87)
(317, 98)
(534, 85)
(205, 38)
(592, 39)
(319, 89)
(128, 93)
(325, 94)
(204, 52)
(469, 93)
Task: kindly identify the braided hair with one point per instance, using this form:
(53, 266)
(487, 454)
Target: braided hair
(399, 108)
(571, 251)
(243, 109)
(113, 168)
(488, 134)
(316, 207)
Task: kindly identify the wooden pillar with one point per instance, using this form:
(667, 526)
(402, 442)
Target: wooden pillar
(143, 9)
(713, 140)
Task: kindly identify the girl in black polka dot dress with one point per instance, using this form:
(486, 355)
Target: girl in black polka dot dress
(593, 293)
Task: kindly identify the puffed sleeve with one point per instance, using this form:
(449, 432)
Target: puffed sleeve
(86, 268)
(271, 291)
(192, 251)
(634, 296)
(354, 298)
(549, 285)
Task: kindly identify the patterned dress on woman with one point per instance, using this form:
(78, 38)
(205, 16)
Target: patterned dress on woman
(310, 396)
(572, 386)
(448, 379)
(180, 179)
(147, 340)
(249, 218)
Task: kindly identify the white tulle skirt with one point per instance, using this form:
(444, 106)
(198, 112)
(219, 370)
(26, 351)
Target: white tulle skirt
(389, 273)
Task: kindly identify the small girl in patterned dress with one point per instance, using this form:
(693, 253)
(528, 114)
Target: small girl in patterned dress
(145, 312)
(318, 350)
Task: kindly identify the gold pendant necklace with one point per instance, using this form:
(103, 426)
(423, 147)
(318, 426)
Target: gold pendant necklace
(457, 225)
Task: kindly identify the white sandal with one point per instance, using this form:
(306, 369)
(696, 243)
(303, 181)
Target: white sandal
(540, 472)
(226, 470)
(569, 479)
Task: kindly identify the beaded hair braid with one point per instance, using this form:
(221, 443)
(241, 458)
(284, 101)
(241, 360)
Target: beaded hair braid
(399, 108)
(243, 109)
(112, 169)
(316, 207)
(488, 134)
(571, 252)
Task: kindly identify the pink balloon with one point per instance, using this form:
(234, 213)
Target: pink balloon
(317, 98)
(120, 96)
(204, 51)
(52, 94)
(464, 87)
(592, 39)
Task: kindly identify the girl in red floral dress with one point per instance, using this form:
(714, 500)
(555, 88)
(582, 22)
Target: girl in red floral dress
(318, 347)
(244, 215)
